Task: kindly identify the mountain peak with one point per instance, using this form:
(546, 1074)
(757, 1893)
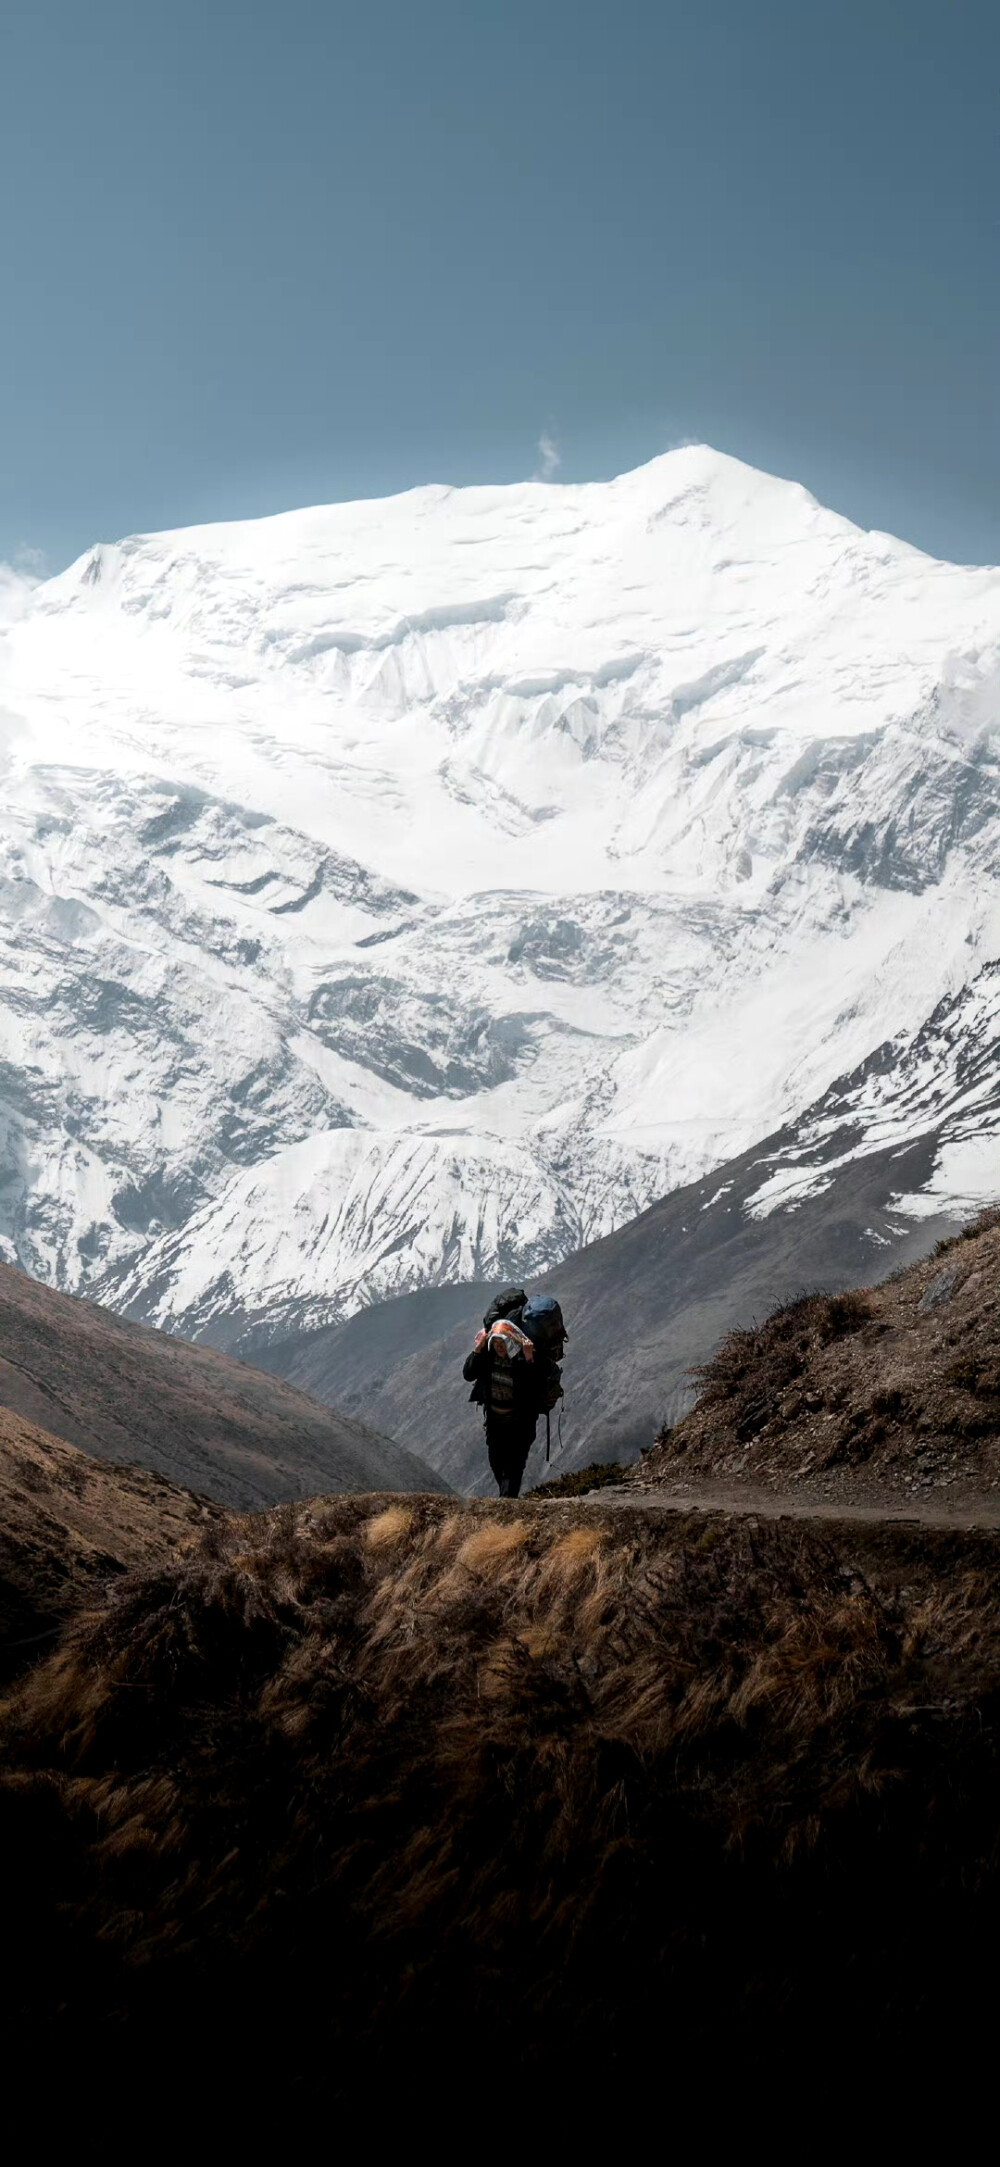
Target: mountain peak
(418, 888)
(666, 479)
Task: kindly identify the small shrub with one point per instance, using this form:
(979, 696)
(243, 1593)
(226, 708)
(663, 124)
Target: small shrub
(846, 1313)
(983, 1223)
(979, 1374)
(753, 1368)
(600, 1475)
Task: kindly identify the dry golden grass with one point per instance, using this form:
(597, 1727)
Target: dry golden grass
(490, 1548)
(358, 1796)
(388, 1527)
(572, 1551)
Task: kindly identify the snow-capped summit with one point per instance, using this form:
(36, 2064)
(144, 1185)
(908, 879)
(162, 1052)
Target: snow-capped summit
(414, 889)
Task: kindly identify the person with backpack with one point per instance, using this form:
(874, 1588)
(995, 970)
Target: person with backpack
(515, 1374)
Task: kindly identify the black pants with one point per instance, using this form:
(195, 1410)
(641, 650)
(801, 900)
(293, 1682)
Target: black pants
(508, 1443)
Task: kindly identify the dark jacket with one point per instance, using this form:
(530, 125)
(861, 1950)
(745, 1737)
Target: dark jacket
(537, 1383)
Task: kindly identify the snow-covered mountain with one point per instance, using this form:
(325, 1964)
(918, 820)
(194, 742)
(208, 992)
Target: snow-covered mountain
(942, 1084)
(415, 890)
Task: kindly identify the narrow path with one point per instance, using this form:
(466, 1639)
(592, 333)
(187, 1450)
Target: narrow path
(775, 1505)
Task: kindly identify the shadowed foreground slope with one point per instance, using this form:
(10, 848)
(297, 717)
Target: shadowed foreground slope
(127, 1393)
(514, 1801)
(69, 1525)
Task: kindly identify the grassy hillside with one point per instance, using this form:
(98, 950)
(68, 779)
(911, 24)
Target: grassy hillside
(877, 1395)
(69, 1526)
(548, 1809)
(367, 1797)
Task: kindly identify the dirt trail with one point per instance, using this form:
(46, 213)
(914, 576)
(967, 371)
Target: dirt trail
(771, 1505)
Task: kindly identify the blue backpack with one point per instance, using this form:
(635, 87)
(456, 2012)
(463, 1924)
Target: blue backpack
(542, 1319)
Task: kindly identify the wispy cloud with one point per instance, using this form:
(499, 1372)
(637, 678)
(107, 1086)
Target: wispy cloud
(18, 578)
(549, 460)
(31, 562)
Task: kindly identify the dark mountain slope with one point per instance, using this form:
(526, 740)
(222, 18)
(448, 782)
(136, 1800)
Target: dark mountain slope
(127, 1393)
(643, 1306)
(352, 1362)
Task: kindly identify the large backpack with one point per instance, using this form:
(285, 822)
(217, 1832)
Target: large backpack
(508, 1303)
(542, 1319)
(514, 1366)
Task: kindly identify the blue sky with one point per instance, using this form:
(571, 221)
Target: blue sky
(260, 255)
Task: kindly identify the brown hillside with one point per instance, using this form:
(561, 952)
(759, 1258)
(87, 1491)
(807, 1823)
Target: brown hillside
(69, 1525)
(448, 1809)
(127, 1393)
(879, 1396)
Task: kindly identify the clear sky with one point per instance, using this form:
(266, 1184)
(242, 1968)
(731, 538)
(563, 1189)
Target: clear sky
(282, 251)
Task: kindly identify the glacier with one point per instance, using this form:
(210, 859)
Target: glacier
(414, 890)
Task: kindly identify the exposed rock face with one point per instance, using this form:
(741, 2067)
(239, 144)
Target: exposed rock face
(411, 892)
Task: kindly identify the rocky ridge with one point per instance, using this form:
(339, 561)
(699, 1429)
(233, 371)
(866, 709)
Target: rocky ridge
(877, 1395)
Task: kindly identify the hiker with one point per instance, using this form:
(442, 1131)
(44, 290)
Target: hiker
(514, 1371)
